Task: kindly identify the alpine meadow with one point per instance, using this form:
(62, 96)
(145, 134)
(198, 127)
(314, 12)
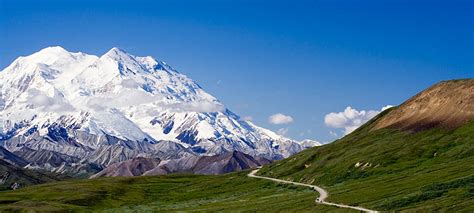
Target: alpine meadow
(236, 106)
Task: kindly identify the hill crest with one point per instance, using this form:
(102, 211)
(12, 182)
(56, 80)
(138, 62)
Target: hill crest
(448, 104)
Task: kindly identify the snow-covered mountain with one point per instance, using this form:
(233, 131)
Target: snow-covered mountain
(307, 143)
(66, 111)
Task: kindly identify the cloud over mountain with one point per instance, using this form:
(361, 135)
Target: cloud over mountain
(93, 111)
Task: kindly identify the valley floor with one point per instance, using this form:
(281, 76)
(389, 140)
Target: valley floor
(169, 193)
(237, 192)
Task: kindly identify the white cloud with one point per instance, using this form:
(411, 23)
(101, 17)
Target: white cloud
(129, 83)
(282, 131)
(350, 119)
(125, 98)
(132, 97)
(196, 106)
(40, 100)
(280, 118)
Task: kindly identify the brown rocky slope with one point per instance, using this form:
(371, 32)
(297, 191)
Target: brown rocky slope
(448, 104)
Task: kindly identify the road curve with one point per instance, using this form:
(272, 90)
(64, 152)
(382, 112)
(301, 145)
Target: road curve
(323, 194)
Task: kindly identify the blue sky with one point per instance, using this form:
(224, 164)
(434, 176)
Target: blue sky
(304, 59)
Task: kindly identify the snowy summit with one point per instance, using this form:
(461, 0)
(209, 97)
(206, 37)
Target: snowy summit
(90, 110)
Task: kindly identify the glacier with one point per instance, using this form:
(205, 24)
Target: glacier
(74, 112)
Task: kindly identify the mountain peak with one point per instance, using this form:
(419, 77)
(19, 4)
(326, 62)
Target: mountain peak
(121, 104)
(122, 58)
(54, 49)
(117, 53)
(50, 54)
(117, 50)
(54, 57)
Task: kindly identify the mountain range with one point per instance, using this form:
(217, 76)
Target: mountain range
(415, 157)
(77, 113)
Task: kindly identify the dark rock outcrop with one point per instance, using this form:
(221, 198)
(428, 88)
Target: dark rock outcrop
(217, 164)
(133, 167)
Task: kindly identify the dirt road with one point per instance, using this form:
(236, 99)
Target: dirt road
(323, 194)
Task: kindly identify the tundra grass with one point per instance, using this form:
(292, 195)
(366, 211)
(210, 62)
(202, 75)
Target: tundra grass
(391, 170)
(170, 193)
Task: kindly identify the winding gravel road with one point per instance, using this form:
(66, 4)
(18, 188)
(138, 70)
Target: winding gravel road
(323, 194)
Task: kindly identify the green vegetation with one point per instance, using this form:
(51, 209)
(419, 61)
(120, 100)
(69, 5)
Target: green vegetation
(388, 169)
(24, 177)
(231, 192)
(385, 169)
(431, 192)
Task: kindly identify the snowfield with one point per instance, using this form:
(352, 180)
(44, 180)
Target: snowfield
(87, 110)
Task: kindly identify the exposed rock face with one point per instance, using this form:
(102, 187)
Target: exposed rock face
(73, 112)
(15, 186)
(182, 165)
(220, 164)
(13, 175)
(448, 104)
(12, 158)
(128, 168)
(217, 164)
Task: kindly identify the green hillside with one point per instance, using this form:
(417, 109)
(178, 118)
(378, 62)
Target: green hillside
(231, 192)
(417, 157)
(389, 169)
(24, 177)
